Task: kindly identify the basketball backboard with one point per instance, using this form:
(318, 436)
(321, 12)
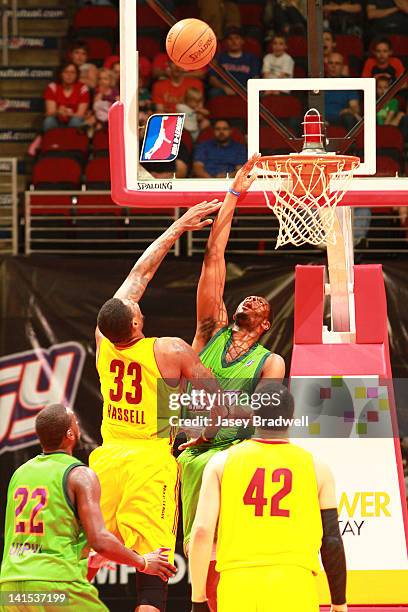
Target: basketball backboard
(131, 184)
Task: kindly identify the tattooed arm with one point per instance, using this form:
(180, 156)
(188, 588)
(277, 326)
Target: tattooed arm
(146, 266)
(211, 311)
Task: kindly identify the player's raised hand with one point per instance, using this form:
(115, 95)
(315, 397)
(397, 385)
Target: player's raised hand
(157, 564)
(245, 177)
(195, 217)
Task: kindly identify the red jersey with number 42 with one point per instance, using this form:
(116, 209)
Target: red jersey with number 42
(135, 398)
(270, 513)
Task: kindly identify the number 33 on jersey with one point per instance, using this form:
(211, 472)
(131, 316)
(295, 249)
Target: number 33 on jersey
(130, 380)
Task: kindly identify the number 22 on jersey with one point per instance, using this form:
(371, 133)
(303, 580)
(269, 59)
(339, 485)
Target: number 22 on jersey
(255, 492)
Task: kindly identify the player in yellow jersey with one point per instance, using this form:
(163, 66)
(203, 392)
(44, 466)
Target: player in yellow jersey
(135, 465)
(275, 506)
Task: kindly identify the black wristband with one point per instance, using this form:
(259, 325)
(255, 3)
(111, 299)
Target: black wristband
(202, 606)
(333, 557)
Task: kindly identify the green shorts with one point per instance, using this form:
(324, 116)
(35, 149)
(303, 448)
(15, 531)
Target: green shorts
(192, 463)
(81, 596)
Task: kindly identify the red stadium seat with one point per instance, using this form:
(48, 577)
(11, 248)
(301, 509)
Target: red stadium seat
(208, 133)
(399, 44)
(390, 137)
(283, 106)
(98, 49)
(297, 46)
(67, 142)
(96, 17)
(272, 143)
(299, 71)
(186, 11)
(100, 143)
(349, 45)
(147, 18)
(57, 173)
(387, 166)
(187, 140)
(97, 173)
(149, 46)
(227, 107)
(251, 14)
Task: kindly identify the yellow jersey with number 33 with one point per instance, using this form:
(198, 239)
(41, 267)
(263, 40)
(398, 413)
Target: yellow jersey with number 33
(132, 388)
(270, 513)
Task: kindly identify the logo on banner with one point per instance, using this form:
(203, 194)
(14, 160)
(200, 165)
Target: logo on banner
(31, 380)
(162, 138)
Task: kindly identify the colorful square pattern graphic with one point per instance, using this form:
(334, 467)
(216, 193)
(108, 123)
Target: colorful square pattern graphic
(325, 393)
(348, 416)
(372, 416)
(337, 381)
(360, 392)
(361, 428)
(383, 404)
(372, 392)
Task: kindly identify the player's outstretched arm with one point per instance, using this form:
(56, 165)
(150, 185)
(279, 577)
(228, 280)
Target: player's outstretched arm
(203, 531)
(332, 549)
(146, 266)
(211, 311)
(83, 485)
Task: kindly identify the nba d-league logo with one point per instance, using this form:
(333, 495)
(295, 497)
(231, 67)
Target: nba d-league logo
(162, 138)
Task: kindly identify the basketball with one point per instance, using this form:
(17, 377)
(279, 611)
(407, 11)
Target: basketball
(191, 44)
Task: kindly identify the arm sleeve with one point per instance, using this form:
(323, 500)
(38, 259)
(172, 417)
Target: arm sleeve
(266, 66)
(50, 92)
(333, 557)
(288, 66)
(367, 68)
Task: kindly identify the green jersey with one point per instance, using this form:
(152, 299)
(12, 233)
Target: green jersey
(238, 376)
(43, 538)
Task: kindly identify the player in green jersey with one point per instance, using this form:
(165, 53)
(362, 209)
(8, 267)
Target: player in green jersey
(52, 519)
(231, 352)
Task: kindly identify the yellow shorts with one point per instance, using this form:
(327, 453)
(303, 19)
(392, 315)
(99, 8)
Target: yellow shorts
(267, 589)
(139, 493)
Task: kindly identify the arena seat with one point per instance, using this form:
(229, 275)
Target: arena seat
(251, 14)
(284, 106)
(57, 173)
(399, 44)
(96, 17)
(149, 46)
(187, 140)
(227, 107)
(100, 143)
(98, 49)
(65, 142)
(348, 45)
(387, 166)
(271, 142)
(147, 18)
(97, 173)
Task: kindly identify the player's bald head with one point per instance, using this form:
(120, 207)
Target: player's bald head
(52, 424)
(120, 320)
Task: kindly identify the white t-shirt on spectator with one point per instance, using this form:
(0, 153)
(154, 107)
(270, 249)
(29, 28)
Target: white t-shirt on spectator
(274, 66)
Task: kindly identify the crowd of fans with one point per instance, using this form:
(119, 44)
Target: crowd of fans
(82, 93)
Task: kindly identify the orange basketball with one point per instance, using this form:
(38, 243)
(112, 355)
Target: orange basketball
(191, 44)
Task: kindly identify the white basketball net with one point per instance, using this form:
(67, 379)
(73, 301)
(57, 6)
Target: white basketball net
(304, 217)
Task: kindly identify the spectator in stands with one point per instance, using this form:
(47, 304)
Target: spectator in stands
(220, 155)
(342, 107)
(105, 96)
(240, 64)
(289, 17)
(160, 68)
(278, 64)
(383, 64)
(329, 46)
(196, 118)
(343, 16)
(66, 99)
(220, 15)
(78, 55)
(167, 93)
(390, 113)
(387, 17)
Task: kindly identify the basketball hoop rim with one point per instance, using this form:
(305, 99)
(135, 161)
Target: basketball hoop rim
(348, 162)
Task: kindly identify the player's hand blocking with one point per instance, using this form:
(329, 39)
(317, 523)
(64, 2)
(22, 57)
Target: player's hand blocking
(243, 178)
(157, 564)
(202, 606)
(195, 217)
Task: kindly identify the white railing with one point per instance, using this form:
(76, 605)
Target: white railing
(9, 13)
(8, 206)
(88, 222)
